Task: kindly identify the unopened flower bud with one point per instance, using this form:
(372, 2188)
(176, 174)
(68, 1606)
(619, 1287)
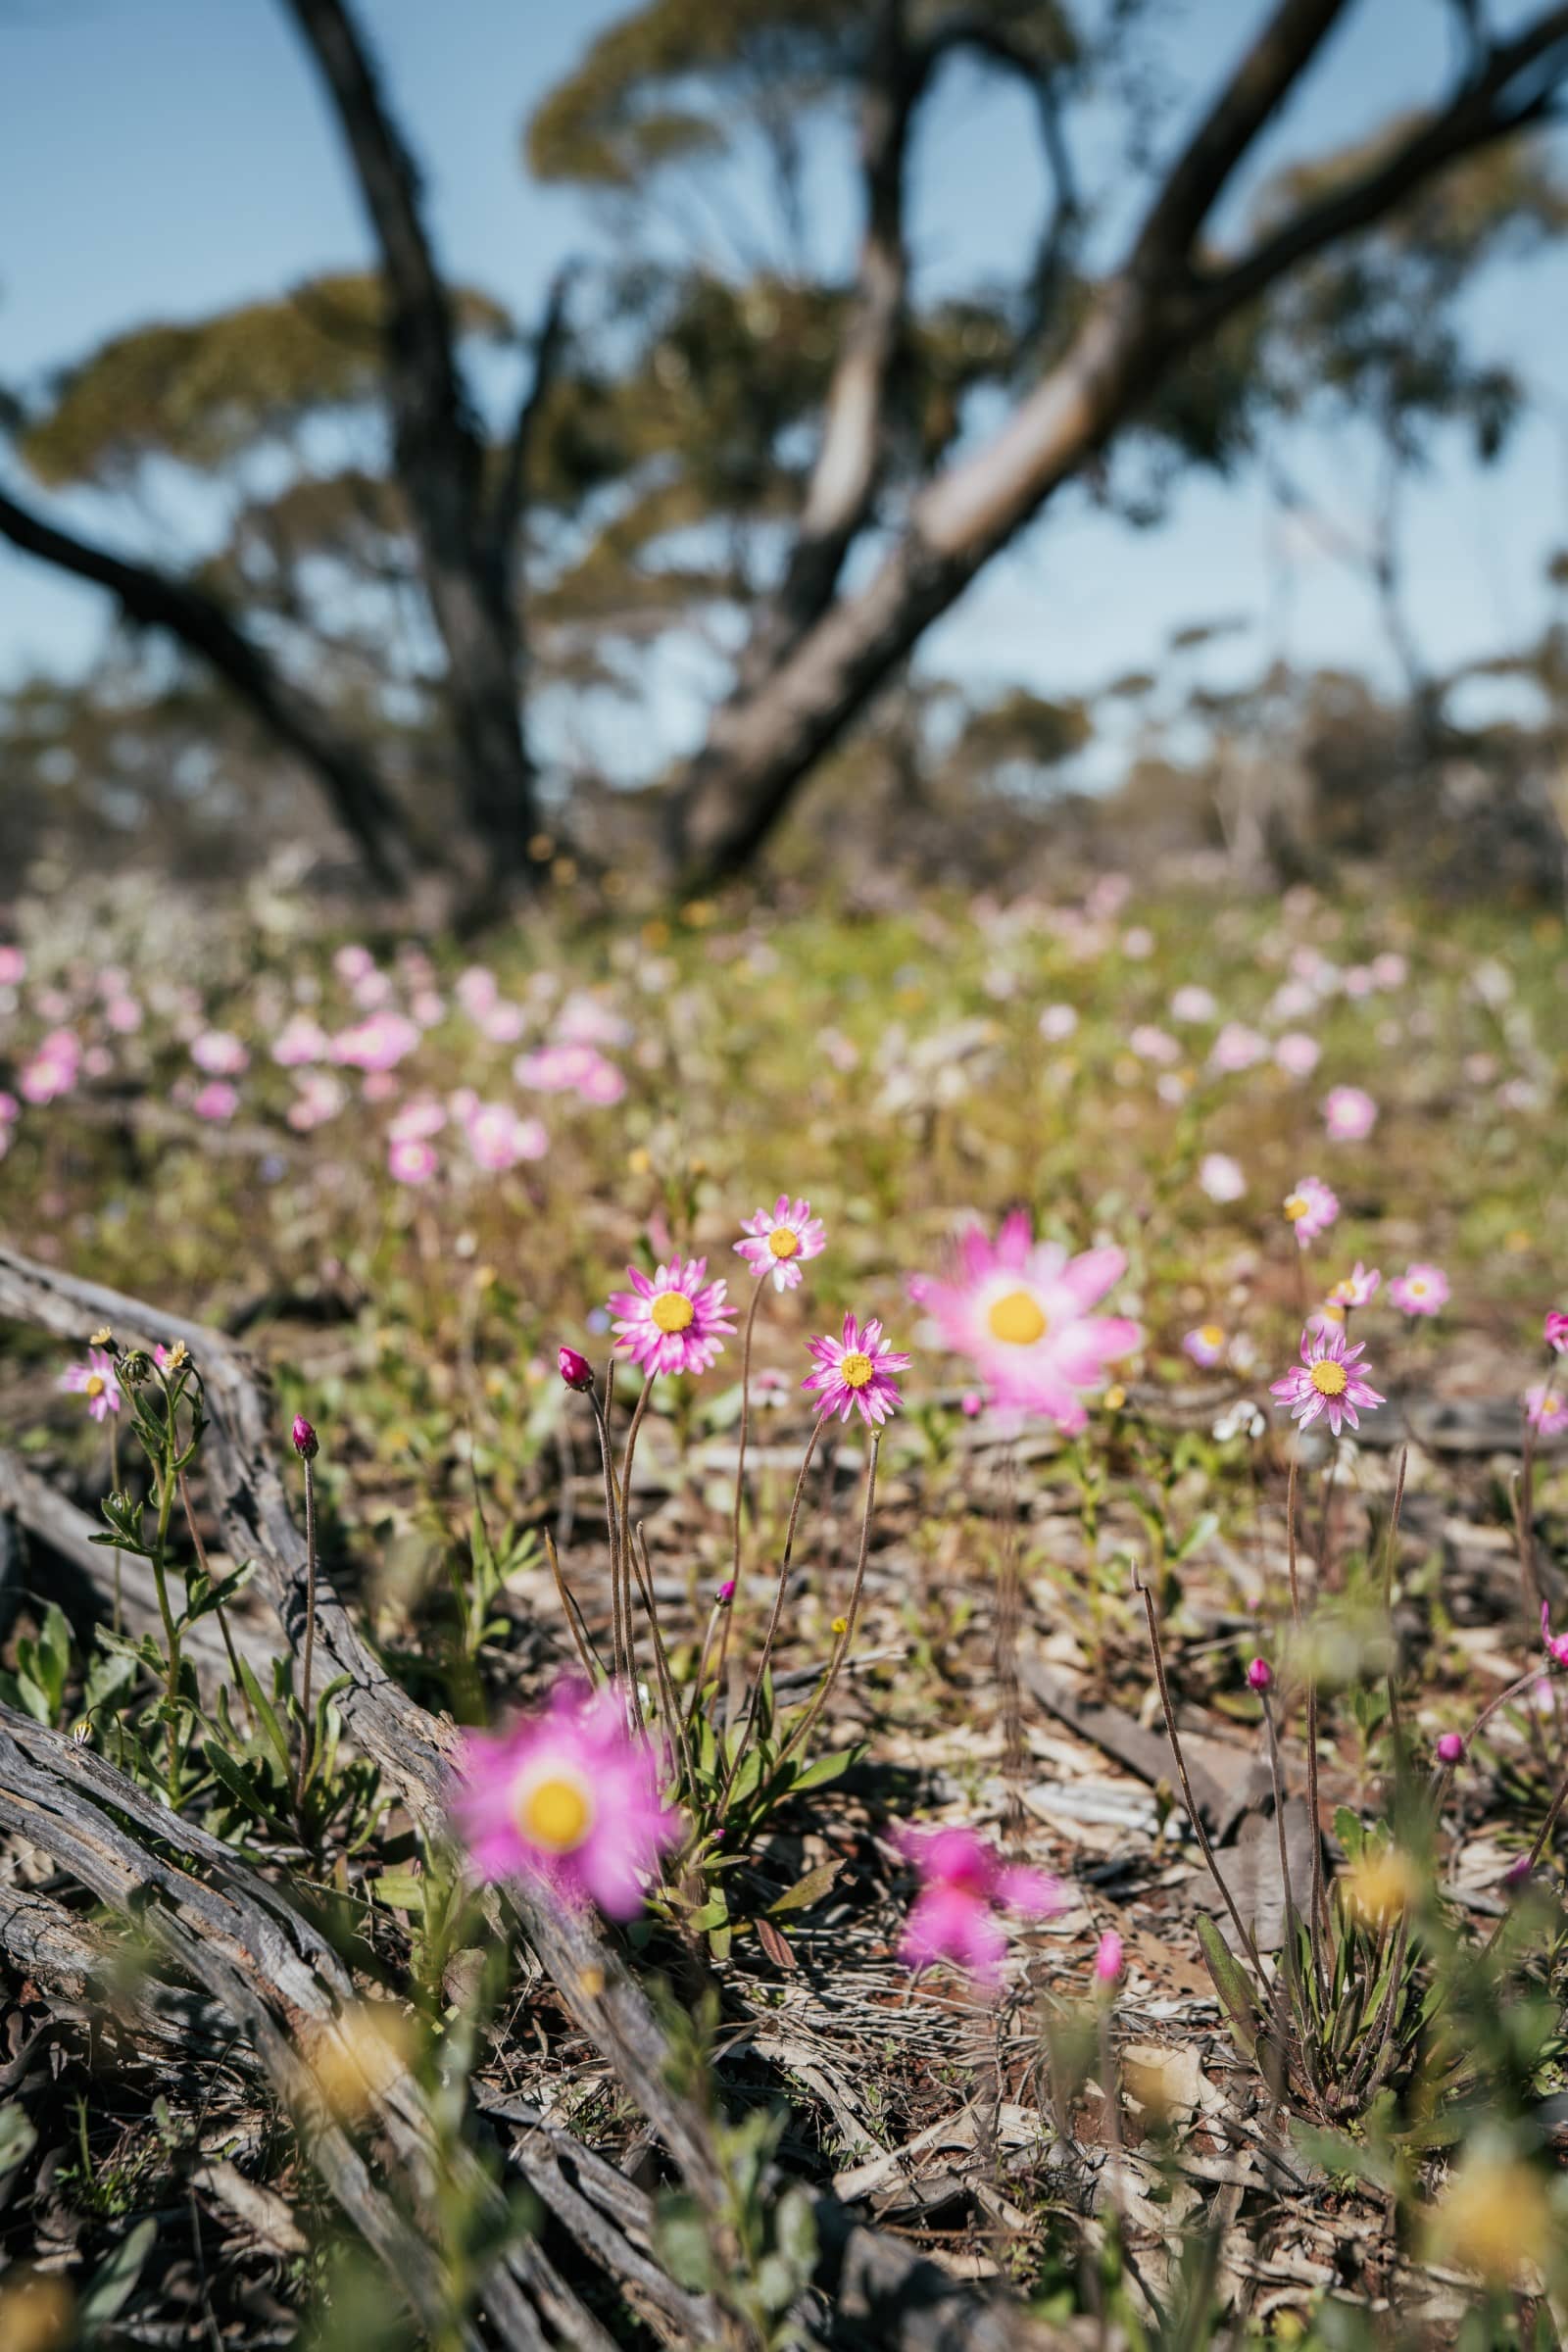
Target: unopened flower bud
(1555, 1330)
(1108, 1957)
(727, 1592)
(1259, 1674)
(103, 1337)
(574, 1369)
(1450, 1748)
(304, 1437)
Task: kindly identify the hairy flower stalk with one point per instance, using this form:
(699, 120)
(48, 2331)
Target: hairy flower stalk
(771, 1634)
(304, 1445)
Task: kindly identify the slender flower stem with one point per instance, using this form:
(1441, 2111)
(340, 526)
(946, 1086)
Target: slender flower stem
(200, 1551)
(624, 1548)
(569, 1609)
(643, 1569)
(307, 1739)
(745, 1416)
(1395, 1725)
(114, 1488)
(1292, 1917)
(611, 1524)
(1536, 1850)
(842, 1645)
(778, 1606)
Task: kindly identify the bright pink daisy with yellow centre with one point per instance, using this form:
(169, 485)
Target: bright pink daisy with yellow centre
(855, 1373)
(672, 1321)
(569, 1798)
(780, 1240)
(1020, 1308)
(97, 1381)
(1327, 1383)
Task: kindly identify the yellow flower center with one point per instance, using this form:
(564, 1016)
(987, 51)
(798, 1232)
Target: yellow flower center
(1297, 1207)
(95, 1385)
(1017, 1320)
(1212, 1336)
(1329, 1377)
(783, 1240)
(856, 1368)
(671, 1311)
(555, 1814)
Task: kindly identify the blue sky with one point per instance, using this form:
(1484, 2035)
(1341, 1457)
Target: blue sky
(166, 156)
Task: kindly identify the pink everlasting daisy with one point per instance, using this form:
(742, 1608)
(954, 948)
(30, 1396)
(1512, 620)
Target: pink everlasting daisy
(963, 1883)
(676, 1321)
(1356, 1289)
(1420, 1290)
(857, 1372)
(569, 1798)
(779, 1242)
(96, 1380)
(1326, 1382)
(1545, 1412)
(1311, 1208)
(1019, 1310)
(1349, 1114)
(1555, 1330)
(1556, 1644)
(1205, 1346)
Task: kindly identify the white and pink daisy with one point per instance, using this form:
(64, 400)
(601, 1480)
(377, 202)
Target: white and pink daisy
(220, 1053)
(1421, 1290)
(1237, 1048)
(411, 1159)
(1297, 1053)
(568, 1798)
(1349, 1114)
(97, 1381)
(1205, 1345)
(1221, 1177)
(1356, 1289)
(963, 1883)
(856, 1373)
(1311, 1208)
(1545, 1412)
(672, 1321)
(780, 1240)
(1327, 1382)
(1019, 1310)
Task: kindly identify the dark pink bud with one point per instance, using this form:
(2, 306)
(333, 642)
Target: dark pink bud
(575, 1370)
(1556, 1329)
(1450, 1748)
(304, 1437)
(1108, 1957)
(1259, 1674)
(727, 1592)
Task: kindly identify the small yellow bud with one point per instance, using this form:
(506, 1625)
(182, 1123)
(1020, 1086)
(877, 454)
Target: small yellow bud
(101, 1337)
(36, 2314)
(1494, 2217)
(361, 2056)
(841, 1625)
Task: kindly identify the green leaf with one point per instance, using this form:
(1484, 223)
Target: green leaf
(807, 1890)
(263, 1713)
(399, 1889)
(680, 2240)
(825, 1768)
(115, 2279)
(1231, 1982)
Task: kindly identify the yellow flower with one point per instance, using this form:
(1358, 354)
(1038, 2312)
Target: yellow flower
(1115, 1397)
(359, 2057)
(1382, 1885)
(1494, 2217)
(841, 1625)
(36, 2314)
(101, 1337)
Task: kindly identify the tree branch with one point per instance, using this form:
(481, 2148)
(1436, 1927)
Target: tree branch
(153, 599)
(549, 342)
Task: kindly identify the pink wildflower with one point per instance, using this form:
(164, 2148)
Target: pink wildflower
(220, 1053)
(301, 1040)
(1555, 1330)
(216, 1101)
(303, 1438)
(1237, 1048)
(1192, 1002)
(499, 1139)
(1326, 1382)
(1221, 1177)
(13, 968)
(568, 1798)
(1259, 1674)
(601, 1083)
(1545, 1412)
(1311, 1208)
(1205, 1346)
(1297, 1053)
(676, 1321)
(1019, 1310)
(574, 1369)
(410, 1159)
(1108, 1957)
(1450, 1748)
(857, 1372)
(1349, 1114)
(97, 1381)
(1556, 1644)
(1057, 1023)
(1356, 1289)
(779, 1244)
(378, 1043)
(963, 1883)
(1421, 1290)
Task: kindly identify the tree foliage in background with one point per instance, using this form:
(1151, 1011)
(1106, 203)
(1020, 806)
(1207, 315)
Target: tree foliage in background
(718, 447)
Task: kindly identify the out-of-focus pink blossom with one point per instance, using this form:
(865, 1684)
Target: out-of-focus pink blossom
(300, 1040)
(1349, 1114)
(1020, 1310)
(1421, 1290)
(216, 1101)
(410, 1159)
(1544, 1411)
(1237, 1048)
(1221, 1177)
(1297, 1053)
(964, 1883)
(378, 1043)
